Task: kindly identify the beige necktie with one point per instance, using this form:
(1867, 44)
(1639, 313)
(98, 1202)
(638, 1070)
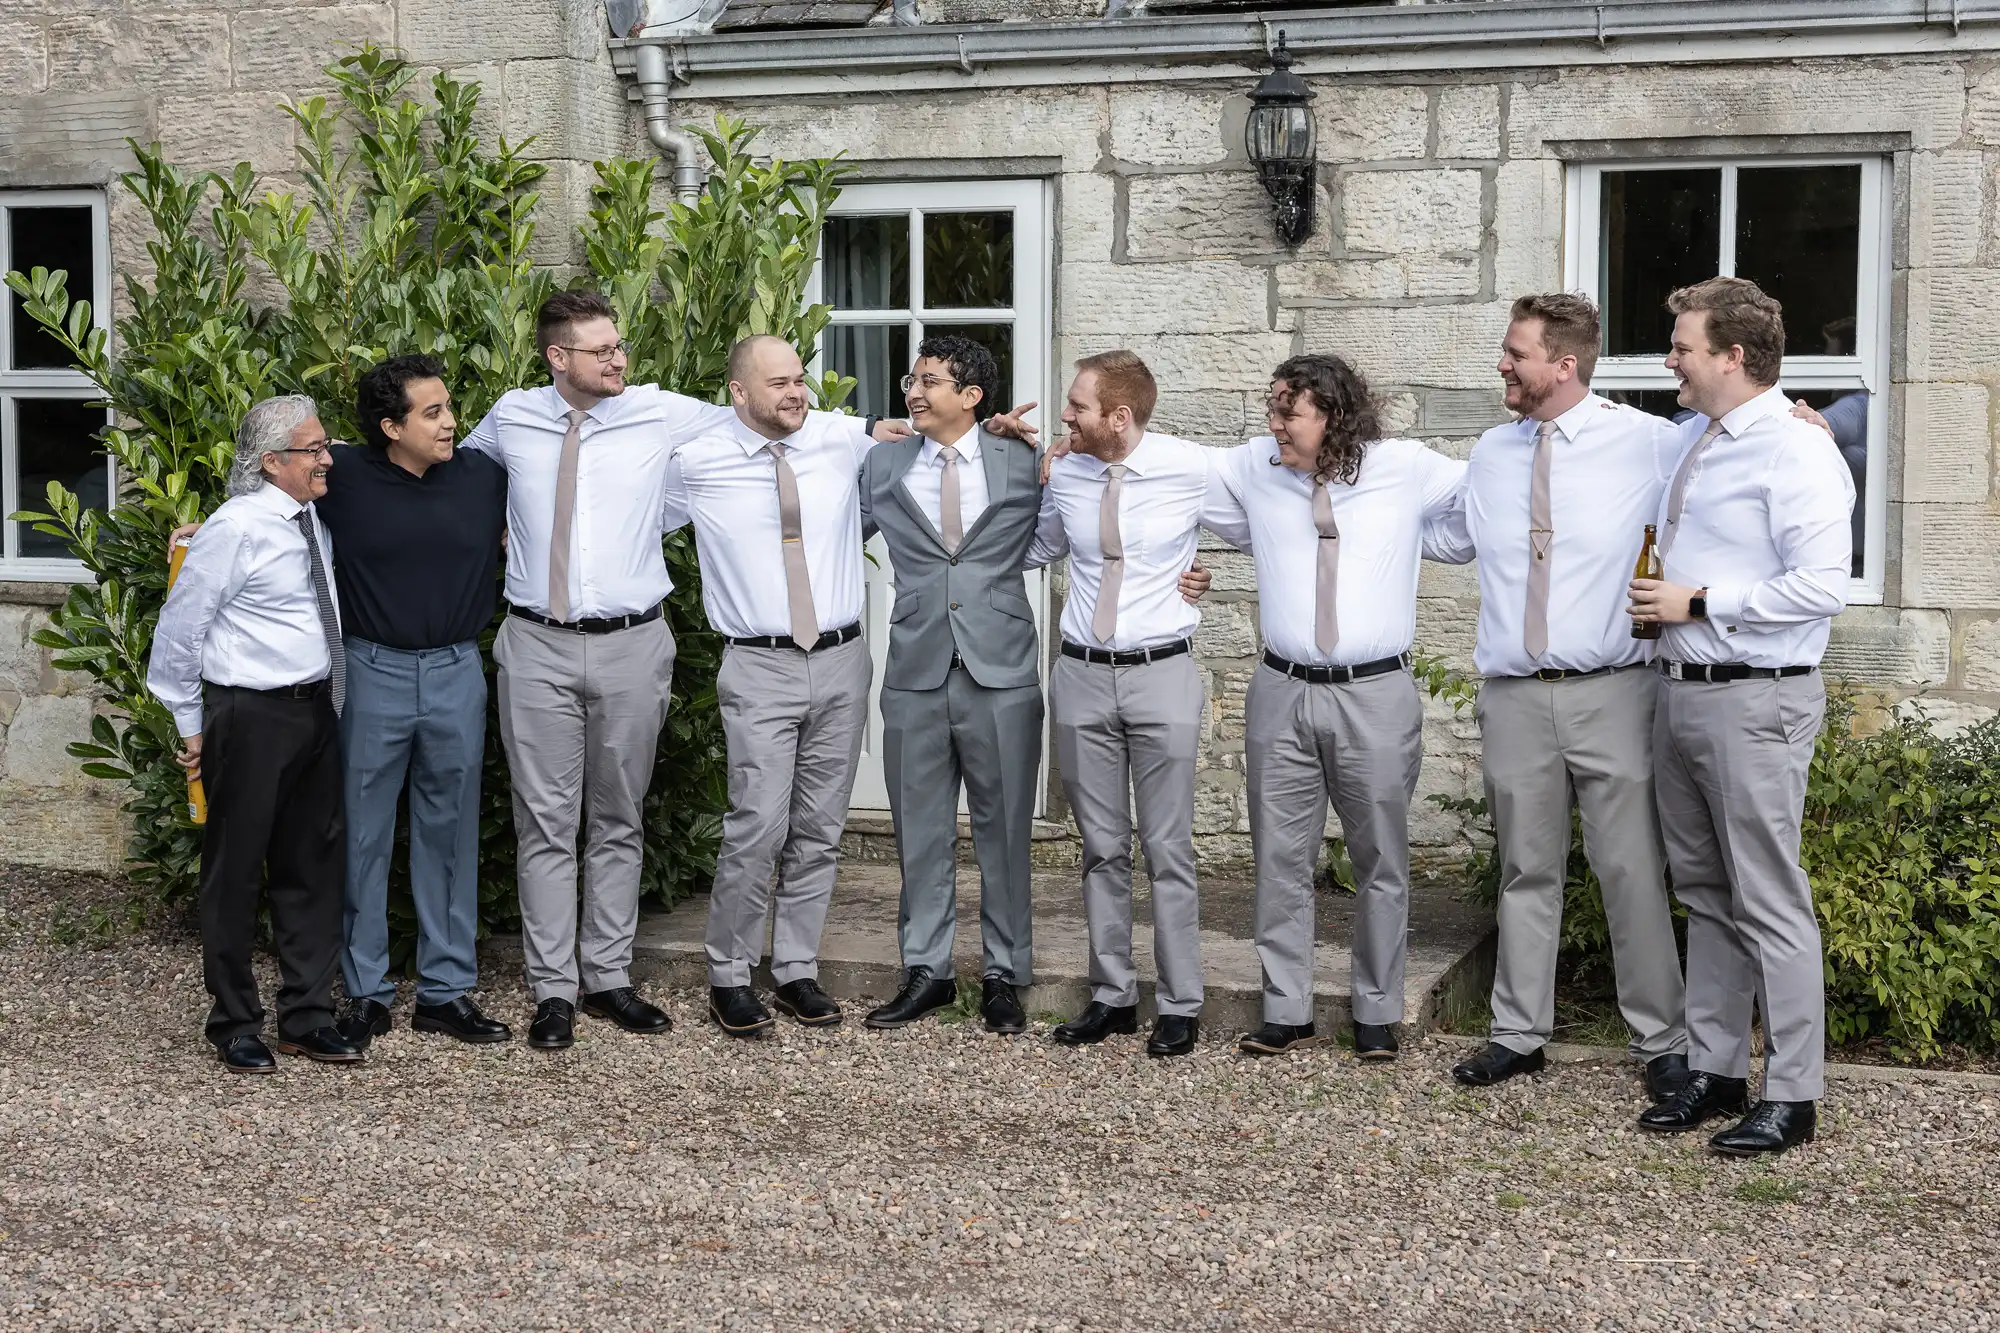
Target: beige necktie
(565, 512)
(1541, 536)
(1104, 622)
(1677, 497)
(951, 522)
(798, 583)
(1326, 621)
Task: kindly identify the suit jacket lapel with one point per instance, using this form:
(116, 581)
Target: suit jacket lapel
(911, 448)
(998, 458)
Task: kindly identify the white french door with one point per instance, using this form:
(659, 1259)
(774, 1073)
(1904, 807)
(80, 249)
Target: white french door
(898, 261)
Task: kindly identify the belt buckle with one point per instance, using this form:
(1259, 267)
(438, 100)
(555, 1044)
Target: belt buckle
(1548, 674)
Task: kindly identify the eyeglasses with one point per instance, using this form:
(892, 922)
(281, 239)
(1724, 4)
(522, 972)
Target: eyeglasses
(325, 449)
(603, 354)
(929, 382)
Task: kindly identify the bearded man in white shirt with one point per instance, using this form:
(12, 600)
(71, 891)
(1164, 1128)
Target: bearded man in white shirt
(1125, 504)
(1555, 507)
(1335, 516)
(1757, 551)
(247, 657)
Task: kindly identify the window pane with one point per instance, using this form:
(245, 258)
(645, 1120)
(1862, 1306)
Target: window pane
(878, 356)
(53, 238)
(1798, 236)
(1846, 410)
(56, 444)
(997, 339)
(866, 263)
(1662, 230)
(968, 261)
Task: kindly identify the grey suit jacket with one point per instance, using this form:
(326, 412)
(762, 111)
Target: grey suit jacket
(974, 603)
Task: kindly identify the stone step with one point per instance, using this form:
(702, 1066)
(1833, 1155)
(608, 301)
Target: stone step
(1450, 955)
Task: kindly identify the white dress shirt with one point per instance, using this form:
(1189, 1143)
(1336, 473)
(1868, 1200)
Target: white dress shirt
(726, 479)
(616, 567)
(925, 480)
(243, 611)
(1609, 469)
(1159, 517)
(1256, 503)
(1764, 527)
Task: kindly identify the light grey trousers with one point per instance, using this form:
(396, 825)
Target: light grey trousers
(1127, 735)
(1733, 760)
(794, 723)
(580, 718)
(1359, 744)
(1591, 738)
(991, 741)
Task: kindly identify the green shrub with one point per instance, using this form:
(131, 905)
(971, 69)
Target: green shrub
(1902, 845)
(411, 236)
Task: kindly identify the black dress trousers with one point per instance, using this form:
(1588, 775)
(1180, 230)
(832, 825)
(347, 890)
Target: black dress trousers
(271, 765)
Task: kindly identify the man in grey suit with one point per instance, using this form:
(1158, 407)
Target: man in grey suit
(961, 693)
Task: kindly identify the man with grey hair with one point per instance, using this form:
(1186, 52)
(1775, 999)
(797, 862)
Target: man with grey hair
(247, 658)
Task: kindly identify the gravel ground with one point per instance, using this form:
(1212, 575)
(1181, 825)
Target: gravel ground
(937, 1178)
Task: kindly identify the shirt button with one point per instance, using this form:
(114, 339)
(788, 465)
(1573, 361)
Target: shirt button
(954, 606)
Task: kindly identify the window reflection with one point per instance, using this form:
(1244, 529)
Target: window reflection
(51, 238)
(968, 261)
(1662, 230)
(1798, 236)
(865, 262)
(57, 441)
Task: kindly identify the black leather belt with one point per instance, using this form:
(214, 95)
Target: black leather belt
(1129, 657)
(1717, 673)
(831, 639)
(609, 625)
(312, 689)
(1568, 673)
(1336, 675)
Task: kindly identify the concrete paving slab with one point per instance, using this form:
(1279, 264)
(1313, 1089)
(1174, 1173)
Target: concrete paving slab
(1451, 951)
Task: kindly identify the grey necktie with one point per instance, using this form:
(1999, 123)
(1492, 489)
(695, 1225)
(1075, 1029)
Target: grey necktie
(329, 623)
(951, 521)
(565, 512)
(798, 582)
(1326, 617)
(1104, 621)
(1677, 497)
(1541, 536)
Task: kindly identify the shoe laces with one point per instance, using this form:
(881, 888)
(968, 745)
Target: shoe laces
(1763, 1119)
(919, 978)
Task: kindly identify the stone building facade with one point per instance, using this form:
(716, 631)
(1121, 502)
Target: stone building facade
(1467, 152)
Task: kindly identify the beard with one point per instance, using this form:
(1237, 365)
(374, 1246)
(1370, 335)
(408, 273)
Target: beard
(1531, 397)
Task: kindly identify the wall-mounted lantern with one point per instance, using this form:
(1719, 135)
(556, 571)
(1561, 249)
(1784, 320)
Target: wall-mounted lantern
(1279, 138)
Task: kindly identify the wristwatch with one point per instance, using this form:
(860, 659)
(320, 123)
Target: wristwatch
(1698, 606)
(868, 425)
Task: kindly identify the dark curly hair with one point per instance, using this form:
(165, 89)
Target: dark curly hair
(383, 392)
(1353, 418)
(971, 365)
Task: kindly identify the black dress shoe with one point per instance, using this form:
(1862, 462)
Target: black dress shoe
(805, 1001)
(1173, 1034)
(1769, 1129)
(1277, 1038)
(1666, 1075)
(324, 1044)
(738, 1011)
(246, 1055)
(459, 1018)
(1375, 1041)
(1001, 1008)
(1702, 1098)
(922, 993)
(1096, 1022)
(623, 1006)
(363, 1021)
(554, 1028)
(1497, 1064)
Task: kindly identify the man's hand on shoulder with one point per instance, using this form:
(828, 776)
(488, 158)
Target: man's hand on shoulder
(1058, 448)
(1804, 412)
(888, 430)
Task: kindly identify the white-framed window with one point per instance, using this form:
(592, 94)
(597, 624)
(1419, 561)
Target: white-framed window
(898, 261)
(48, 427)
(1811, 231)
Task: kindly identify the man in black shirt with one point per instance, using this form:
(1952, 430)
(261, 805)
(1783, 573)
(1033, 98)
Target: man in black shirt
(417, 528)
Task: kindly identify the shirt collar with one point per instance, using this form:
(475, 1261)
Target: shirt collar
(560, 409)
(1770, 403)
(752, 442)
(273, 498)
(1573, 422)
(1136, 464)
(967, 446)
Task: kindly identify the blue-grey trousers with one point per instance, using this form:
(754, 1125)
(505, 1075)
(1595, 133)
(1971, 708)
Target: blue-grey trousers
(420, 718)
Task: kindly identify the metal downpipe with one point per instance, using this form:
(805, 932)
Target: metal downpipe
(656, 95)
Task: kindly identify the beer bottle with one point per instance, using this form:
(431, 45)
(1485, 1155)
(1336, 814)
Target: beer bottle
(197, 796)
(1648, 567)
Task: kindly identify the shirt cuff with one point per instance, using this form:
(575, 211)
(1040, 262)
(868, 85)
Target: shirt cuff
(187, 719)
(1725, 606)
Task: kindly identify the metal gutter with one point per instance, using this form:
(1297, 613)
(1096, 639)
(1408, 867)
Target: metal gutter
(1443, 30)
